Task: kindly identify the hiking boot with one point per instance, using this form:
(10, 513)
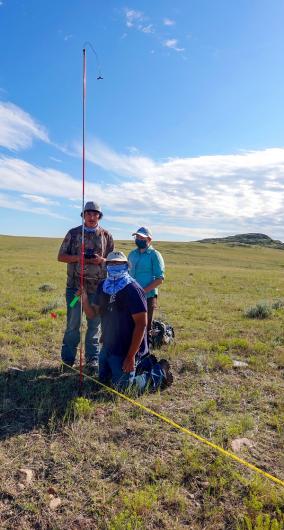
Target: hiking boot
(168, 380)
(92, 366)
(146, 363)
(66, 368)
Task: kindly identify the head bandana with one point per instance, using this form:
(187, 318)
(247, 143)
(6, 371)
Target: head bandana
(117, 278)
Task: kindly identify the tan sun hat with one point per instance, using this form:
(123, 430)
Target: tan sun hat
(116, 256)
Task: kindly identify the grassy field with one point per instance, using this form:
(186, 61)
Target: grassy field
(112, 466)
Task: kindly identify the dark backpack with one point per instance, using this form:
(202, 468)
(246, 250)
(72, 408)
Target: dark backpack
(161, 334)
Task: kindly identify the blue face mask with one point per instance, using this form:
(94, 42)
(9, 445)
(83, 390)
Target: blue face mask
(116, 271)
(141, 243)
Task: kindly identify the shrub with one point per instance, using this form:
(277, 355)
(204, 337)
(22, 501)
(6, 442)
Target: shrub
(239, 343)
(4, 338)
(45, 287)
(221, 361)
(141, 501)
(78, 407)
(240, 425)
(260, 311)
(278, 304)
(261, 522)
(125, 521)
(50, 307)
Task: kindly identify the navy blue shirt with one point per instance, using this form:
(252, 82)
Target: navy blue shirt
(116, 312)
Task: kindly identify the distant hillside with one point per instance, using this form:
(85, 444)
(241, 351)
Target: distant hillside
(246, 240)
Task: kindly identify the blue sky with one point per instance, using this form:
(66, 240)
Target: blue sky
(185, 133)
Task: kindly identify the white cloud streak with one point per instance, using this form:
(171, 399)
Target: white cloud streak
(132, 17)
(18, 129)
(173, 45)
(18, 175)
(12, 203)
(147, 29)
(137, 20)
(168, 22)
(55, 159)
(238, 186)
(222, 193)
(39, 199)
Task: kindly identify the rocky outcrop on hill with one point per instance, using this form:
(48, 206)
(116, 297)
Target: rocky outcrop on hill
(246, 240)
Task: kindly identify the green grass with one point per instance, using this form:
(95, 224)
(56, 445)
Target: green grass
(113, 466)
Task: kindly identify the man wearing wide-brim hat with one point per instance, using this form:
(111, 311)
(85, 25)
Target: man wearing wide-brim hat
(98, 243)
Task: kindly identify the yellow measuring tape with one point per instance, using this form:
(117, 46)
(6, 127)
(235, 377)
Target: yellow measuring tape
(183, 429)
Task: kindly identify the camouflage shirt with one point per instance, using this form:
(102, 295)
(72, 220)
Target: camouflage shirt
(100, 242)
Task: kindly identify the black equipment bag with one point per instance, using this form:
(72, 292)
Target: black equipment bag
(161, 334)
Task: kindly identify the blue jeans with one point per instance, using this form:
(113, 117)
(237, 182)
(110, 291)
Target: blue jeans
(71, 337)
(110, 371)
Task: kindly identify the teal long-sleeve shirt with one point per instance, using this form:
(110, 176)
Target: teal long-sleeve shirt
(145, 267)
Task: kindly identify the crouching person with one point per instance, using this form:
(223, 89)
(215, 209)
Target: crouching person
(122, 306)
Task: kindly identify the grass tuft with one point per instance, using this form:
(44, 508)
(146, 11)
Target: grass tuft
(220, 361)
(77, 408)
(50, 306)
(126, 521)
(278, 304)
(46, 287)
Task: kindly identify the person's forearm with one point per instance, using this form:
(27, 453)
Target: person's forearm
(90, 311)
(67, 258)
(153, 284)
(138, 334)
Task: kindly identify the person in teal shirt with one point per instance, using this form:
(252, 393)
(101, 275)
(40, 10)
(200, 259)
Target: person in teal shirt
(147, 267)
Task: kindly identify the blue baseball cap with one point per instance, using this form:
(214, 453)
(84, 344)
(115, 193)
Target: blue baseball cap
(143, 231)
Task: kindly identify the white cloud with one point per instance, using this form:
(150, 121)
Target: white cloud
(137, 20)
(179, 196)
(139, 219)
(126, 165)
(12, 203)
(68, 37)
(55, 159)
(39, 199)
(173, 44)
(18, 129)
(237, 186)
(147, 29)
(186, 232)
(169, 22)
(132, 17)
(133, 150)
(18, 175)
